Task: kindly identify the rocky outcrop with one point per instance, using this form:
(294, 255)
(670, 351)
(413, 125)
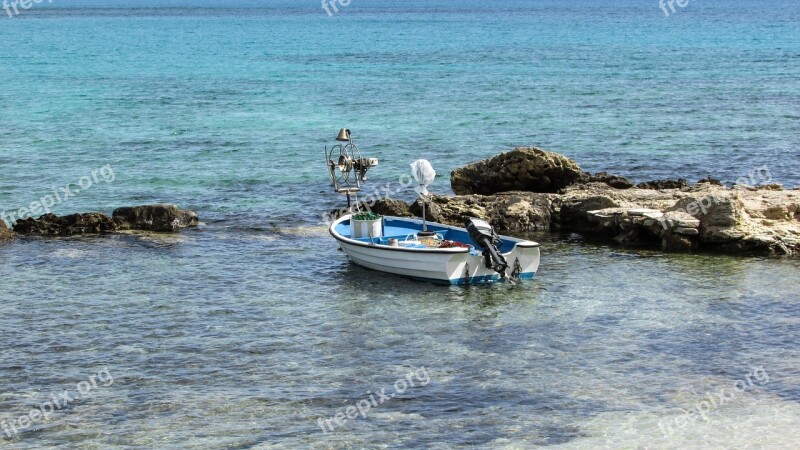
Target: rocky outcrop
(140, 218)
(672, 215)
(522, 169)
(703, 216)
(698, 217)
(509, 211)
(73, 224)
(154, 218)
(390, 207)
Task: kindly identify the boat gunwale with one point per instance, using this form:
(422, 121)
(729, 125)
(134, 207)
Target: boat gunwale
(522, 243)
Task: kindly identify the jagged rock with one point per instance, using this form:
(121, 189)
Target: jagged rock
(73, 224)
(509, 211)
(451, 210)
(154, 218)
(5, 233)
(663, 184)
(678, 219)
(390, 207)
(676, 243)
(710, 180)
(520, 211)
(522, 169)
(719, 215)
(778, 212)
(615, 181)
(572, 210)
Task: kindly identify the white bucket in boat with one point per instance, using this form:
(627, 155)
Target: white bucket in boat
(363, 228)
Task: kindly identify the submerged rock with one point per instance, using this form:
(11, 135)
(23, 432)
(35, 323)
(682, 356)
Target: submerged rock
(522, 169)
(664, 184)
(140, 218)
(73, 224)
(154, 218)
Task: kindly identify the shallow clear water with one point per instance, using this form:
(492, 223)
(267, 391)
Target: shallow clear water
(210, 350)
(246, 331)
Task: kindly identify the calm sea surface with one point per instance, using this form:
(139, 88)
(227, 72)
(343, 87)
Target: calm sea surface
(248, 330)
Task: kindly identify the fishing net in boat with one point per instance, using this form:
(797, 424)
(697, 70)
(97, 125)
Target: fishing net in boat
(433, 242)
(453, 244)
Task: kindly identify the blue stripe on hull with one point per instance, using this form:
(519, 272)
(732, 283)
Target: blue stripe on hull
(487, 279)
(483, 279)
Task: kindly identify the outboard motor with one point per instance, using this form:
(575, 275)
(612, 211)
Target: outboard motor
(483, 234)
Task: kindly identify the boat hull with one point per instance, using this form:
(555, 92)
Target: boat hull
(446, 266)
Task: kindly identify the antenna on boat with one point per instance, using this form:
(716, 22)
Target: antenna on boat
(424, 174)
(346, 167)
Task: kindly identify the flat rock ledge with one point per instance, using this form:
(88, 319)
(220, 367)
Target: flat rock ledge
(159, 218)
(698, 217)
(703, 216)
(671, 215)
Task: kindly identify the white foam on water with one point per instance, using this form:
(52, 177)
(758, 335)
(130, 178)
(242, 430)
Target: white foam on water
(302, 232)
(70, 253)
(751, 422)
(132, 349)
(393, 416)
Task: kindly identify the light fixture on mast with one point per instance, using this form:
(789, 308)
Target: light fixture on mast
(346, 167)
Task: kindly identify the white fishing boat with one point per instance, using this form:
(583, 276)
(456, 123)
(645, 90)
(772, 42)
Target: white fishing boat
(451, 255)
(416, 248)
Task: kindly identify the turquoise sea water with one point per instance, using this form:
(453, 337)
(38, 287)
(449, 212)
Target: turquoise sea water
(246, 331)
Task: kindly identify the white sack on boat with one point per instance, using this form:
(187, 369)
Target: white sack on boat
(424, 174)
